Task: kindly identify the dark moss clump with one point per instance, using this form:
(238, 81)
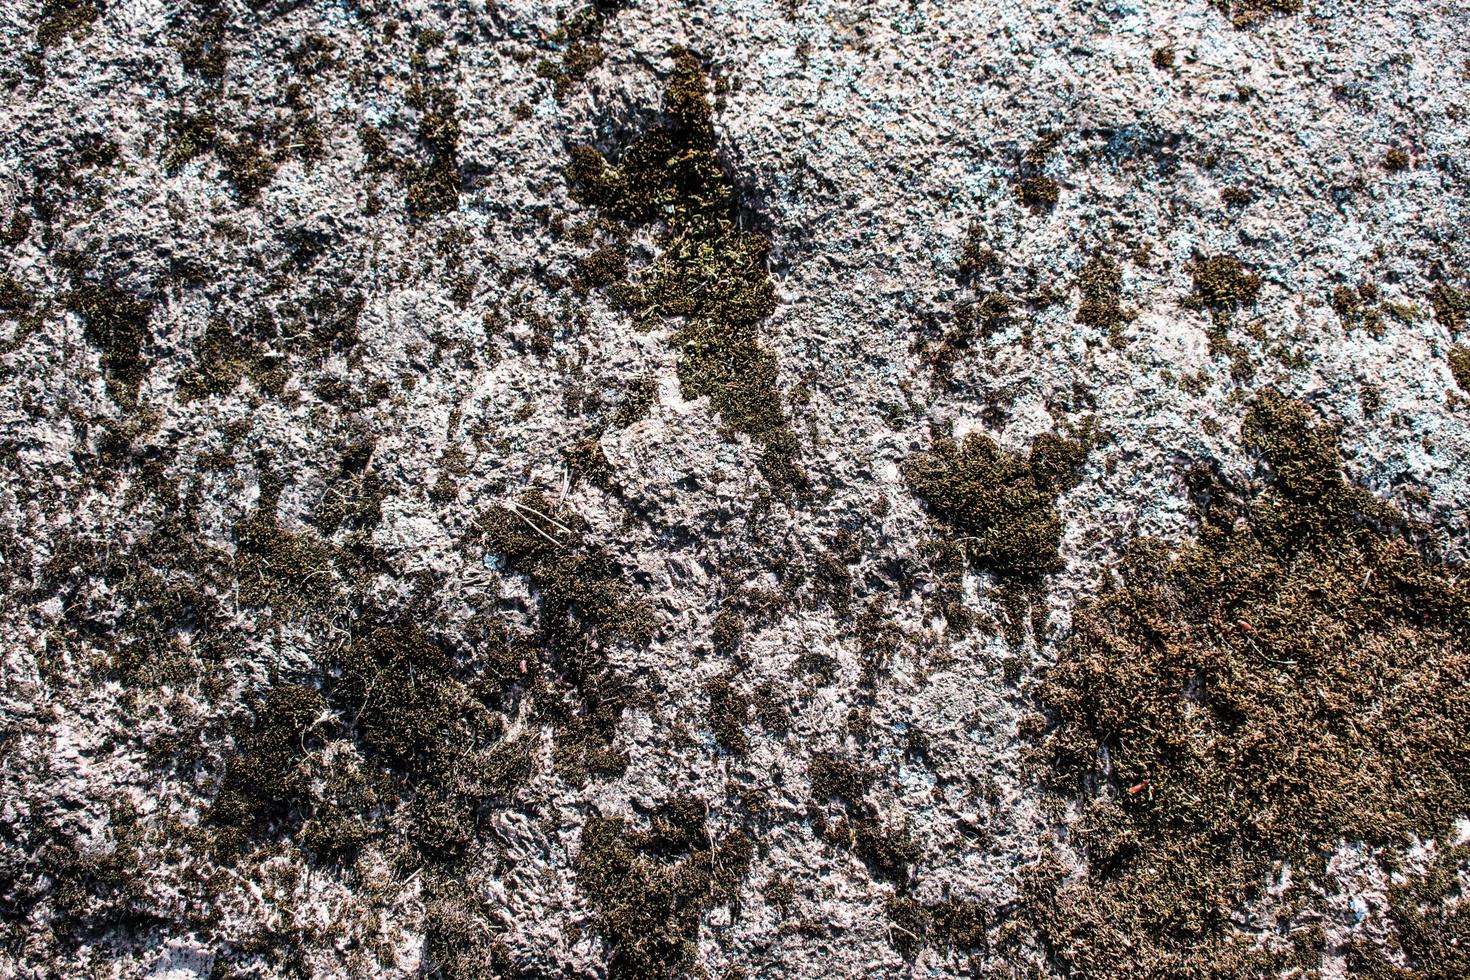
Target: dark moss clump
(638, 398)
(651, 888)
(191, 135)
(712, 271)
(433, 186)
(203, 50)
(116, 322)
(225, 357)
(1101, 283)
(1451, 306)
(264, 777)
(15, 298)
(888, 852)
(729, 712)
(947, 924)
(586, 460)
(66, 18)
(1244, 13)
(1038, 192)
(291, 572)
(1000, 506)
(1358, 308)
(579, 585)
(246, 165)
(1221, 283)
(16, 230)
(413, 715)
(1431, 920)
(584, 609)
(1293, 679)
(459, 943)
(1459, 358)
(580, 51)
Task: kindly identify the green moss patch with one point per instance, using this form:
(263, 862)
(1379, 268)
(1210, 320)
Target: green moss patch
(1459, 358)
(432, 186)
(711, 272)
(1244, 13)
(580, 52)
(116, 323)
(1293, 679)
(225, 357)
(292, 572)
(585, 608)
(999, 506)
(264, 776)
(1451, 306)
(61, 19)
(1101, 285)
(651, 888)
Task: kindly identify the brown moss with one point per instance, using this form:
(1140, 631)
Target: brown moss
(584, 608)
(1358, 308)
(1459, 358)
(1293, 679)
(116, 322)
(225, 356)
(1431, 920)
(1245, 13)
(1396, 160)
(246, 165)
(651, 888)
(1451, 306)
(61, 19)
(293, 573)
(1038, 192)
(263, 777)
(999, 505)
(711, 272)
(1101, 285)
(432, 187)
(1221, 283)
(947, 924)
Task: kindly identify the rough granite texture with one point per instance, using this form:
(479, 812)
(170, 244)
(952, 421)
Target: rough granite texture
(438, 356)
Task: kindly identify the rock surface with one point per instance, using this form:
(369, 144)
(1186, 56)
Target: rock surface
(382, 597)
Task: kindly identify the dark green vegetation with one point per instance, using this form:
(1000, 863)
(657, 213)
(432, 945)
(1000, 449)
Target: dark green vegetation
(651, 887)
(710, 272)
(999, 506)
(1459, 358)
(584, 611)
(888, 851)
(264, 776)
(226, 356)
(1244, 13)
(580, 52)
(430, 737)
(1221, 283)
(1039, 192)
(997, 512)
(116, 323)
(1293, 679)
(432, 184)
(1451, 306)
(1358, 308)
(65, 18)
(1101, 284)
